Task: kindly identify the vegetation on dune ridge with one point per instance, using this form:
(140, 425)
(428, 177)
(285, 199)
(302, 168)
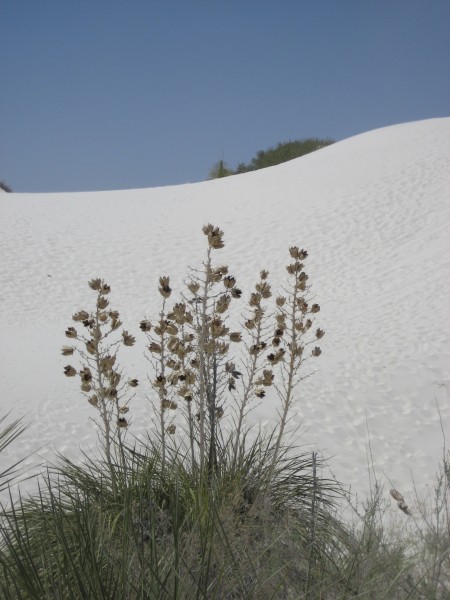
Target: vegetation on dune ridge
(5, 187)
(275, 155)
(206, 508)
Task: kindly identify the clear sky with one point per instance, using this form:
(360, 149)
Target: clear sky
(113, 94)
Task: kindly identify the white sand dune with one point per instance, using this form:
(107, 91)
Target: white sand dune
(373, 212)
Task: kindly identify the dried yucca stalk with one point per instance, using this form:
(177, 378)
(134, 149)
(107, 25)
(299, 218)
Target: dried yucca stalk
(193, 350)
(102, 382)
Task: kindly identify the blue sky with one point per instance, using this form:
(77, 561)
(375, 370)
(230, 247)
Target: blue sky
(108, 94)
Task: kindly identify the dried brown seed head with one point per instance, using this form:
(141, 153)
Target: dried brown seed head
(215, 238)
(133, 382)
(81, 315)
(280, 301)
(164, 288)
(93, 400)
(319, 333)
(95, 284)
(236, 292)
(315, 308)
(102, 302)
(223, 303)
(86, 374)
(259, 393)
(69, 371)
(317, 351)
(229, 282)
(145, 325)
(193, 287)
(264, 274)
(67, 350)
(128, 340)
(90, 346)
(235, 337)
(122, 423)
(171, 429)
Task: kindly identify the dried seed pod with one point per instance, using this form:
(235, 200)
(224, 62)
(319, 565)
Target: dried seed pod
(264, 274)
(259, 393)
(255, 299)
(114, 378)
(264, 289)
(275, 358)
(280, 301)
(229, 282)
(107, 363)
(215, 238)
(133, 382)
(319, 333)
(128, 340)
(315, 308)
(193, 287)
(123, 409)
(235, 337)
(67, 350)
(103, 317)
(105, 289)
(86, 374)
(122, 423)
(69, 371)
(236, 293)
(89, 322)
(102, 302)
(164, 288)
(145, 325)
(266, 379)
(155, 348)
(396, 495)
(317, 351)
(257, 348)
(219, 412)
(95, 284)
(223, 303)
(171, 429)
(71, 332)
(86, 387)
(81, 315)
(115, 324)
(90, 347)
(302, 304)
(93, 400)
(160, 381)
(250, 324)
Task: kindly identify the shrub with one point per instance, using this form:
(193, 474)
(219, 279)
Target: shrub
(276, 155)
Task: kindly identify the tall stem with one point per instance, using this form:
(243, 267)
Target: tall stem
(202, 360)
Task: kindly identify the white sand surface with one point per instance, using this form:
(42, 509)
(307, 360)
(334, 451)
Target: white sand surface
(374, 213)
